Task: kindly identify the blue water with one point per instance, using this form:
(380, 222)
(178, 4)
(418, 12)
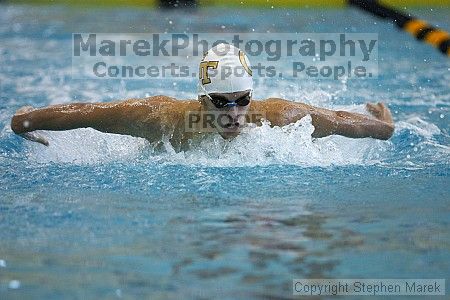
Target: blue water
(103, 216)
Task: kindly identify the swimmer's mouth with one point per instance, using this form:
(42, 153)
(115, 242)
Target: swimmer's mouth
(230, 130)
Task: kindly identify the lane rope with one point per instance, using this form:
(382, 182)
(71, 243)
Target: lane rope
(420, 29)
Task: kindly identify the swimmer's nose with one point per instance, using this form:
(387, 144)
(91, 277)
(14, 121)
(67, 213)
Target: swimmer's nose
(233, 113)
(231, 124)
(233, 109)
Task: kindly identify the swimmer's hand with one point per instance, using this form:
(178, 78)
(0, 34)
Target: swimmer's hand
(380, 111)
(31, 136)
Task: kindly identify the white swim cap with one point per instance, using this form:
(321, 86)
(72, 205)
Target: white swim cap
(224, 69)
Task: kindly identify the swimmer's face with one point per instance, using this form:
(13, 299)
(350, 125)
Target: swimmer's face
(230, 110)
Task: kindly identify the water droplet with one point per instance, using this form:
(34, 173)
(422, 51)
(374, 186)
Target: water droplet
(14, 284)
(2, 263)
(441, 116)
(119, 293)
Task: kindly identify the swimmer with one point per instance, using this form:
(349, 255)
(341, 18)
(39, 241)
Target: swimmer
(156, 117)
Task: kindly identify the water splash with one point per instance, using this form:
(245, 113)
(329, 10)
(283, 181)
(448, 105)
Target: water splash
(263, 145)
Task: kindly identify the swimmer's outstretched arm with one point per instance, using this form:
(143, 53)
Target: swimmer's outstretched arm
(135, 117)
(328, 122)
(354, 125)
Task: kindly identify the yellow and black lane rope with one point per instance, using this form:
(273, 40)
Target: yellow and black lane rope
(418, 28)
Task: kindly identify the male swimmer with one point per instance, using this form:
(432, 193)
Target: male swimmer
(156, 117)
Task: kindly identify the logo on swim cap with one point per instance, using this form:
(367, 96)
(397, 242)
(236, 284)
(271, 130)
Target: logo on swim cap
(224, 69)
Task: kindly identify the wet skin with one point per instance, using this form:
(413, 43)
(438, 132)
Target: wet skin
(153, 118)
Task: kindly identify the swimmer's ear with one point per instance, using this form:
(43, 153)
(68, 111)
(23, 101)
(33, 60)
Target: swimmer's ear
(34, 137)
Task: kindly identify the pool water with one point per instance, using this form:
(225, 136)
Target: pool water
(104, 216)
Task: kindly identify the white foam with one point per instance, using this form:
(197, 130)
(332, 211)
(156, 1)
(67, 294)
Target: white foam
(263, 145)
(419, 126)
(85, 146)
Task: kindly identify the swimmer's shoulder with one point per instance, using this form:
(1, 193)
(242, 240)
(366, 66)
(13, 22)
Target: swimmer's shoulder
(280, 111)
(277, 105)
(161, 99)
(274, 103)
(152, 100)
(160, 102)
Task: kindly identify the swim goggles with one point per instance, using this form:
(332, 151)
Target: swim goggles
(221, 102)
